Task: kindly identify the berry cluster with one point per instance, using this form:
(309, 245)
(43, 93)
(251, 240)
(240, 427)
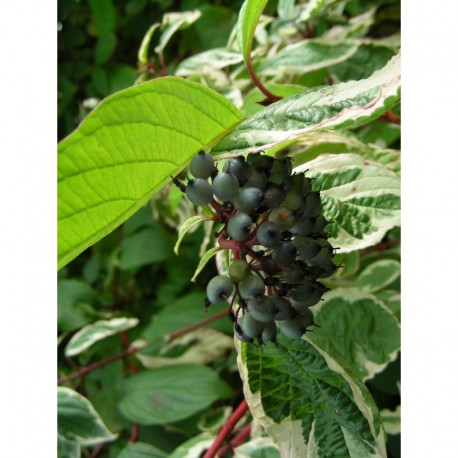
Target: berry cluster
(272, 222)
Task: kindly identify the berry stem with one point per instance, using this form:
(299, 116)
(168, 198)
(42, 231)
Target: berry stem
(226, 429)
(132, 350)
(199, 324)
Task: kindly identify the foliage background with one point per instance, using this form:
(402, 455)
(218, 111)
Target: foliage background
(98, 43)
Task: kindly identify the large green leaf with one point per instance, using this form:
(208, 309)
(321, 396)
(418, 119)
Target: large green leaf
(94, 332)
(324, 107)
(307, 403)
(357, 330)
(77, 421)
(248, 19)
(360, 198)
(126, 150)
(170, 394)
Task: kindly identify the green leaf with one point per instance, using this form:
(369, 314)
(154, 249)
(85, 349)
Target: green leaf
(365, 61)
(199, 347)
(172, 22)
(77, 421)
(334, 142)
(185, 228)
(99, 330)
(104, 15)
(141, 450)
(340, 105)
(144, 47)
(67, 449)
(194, 447)
(356, 330)
(311, 9)
(253, 101)
(170, 394)
(147, 246)
(121, 77)
(125, 151)
(378, 275)
(349, 263)
(215, 25)
(260, 447)
(105, 47)
(307, 56)
(185, 311)
(204, 259)
(307, 403)
(286, 10)
(104, 386)
(392, 420)
(73, 303)
(208, 60)
(249, 15)
(361, 198)
(392, 299)
(357, 27)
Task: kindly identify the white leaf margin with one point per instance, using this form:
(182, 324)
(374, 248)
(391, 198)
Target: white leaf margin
(194, 447)
(207, 345)
(92, 333)
(387, 82)
(388, 182)
(352, 294)
(65, 394)
(287, 435)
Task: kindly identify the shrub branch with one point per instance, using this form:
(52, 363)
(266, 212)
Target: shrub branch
(226, 429)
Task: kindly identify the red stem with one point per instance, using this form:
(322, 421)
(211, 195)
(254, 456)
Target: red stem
(163, 64)
(238, 439)
(135, 433)
(96, 451)
(262, 88)
(381, 246)
(226, 429)
(199, 324)
(92, 367)
(391, 116)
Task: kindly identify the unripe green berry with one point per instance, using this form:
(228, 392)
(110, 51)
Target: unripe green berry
(239, 270)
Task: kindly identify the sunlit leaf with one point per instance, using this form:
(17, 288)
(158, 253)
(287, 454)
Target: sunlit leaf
(126, 150)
